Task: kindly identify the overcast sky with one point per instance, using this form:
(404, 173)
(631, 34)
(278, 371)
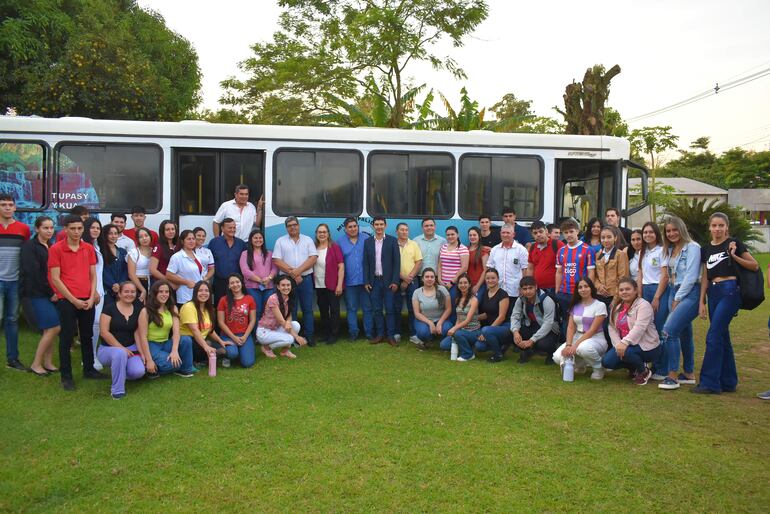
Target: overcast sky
(669, 50)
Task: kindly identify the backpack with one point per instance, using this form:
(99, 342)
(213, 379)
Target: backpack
(542, 295)
(752, 287)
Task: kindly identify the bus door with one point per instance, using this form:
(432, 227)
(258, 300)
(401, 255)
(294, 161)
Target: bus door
(206, 178)
(586, 188)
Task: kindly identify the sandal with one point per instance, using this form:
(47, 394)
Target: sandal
(268, 352)
(287, 353)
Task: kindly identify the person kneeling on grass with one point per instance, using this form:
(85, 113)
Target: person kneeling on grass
(195, 319)
(633, 334)
(585, 338)
(468, 327)
(432, 307)
(533, 322)
(276, 328)
(160, 327)
(237, 315)
(121, 345)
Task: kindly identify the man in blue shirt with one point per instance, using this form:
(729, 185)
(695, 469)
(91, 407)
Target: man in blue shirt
(227, 250)
(352, 246)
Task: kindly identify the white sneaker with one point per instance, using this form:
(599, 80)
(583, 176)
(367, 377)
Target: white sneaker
(98, 365)
(598, 374)
(461, 359)
(225, 363)
(416, 340)
(397, 337)
(658, 378)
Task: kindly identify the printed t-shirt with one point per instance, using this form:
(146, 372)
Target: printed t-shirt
(237, 318)
(652, 263)
(189, 314)
(718, 261)
(584, 315)
(575, 261)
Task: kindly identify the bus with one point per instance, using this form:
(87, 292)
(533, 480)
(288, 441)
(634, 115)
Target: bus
(184, 170)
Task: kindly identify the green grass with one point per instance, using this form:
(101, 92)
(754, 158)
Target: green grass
(353, 427)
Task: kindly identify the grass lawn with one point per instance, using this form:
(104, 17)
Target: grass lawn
(354, 427)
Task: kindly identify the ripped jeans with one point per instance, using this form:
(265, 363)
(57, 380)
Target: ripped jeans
(676, 335)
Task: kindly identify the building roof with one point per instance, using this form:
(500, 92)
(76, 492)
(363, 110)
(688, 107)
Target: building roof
(684, 186)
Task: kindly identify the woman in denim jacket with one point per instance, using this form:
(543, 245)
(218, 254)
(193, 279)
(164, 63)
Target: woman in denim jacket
(684, 257)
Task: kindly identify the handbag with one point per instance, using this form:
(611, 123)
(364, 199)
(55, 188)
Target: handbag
(752, 287)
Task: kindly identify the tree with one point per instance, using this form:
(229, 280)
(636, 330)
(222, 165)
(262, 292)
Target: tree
(652, 141)
(327, 51)
(94, 58)
(584, 109)
(702, 143)
(515, 115)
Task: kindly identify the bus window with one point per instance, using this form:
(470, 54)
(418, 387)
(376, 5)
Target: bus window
(242, 168)
(317, 182)
(587, 188)
(22, 173)
(109, 177)
(491, 183)
(197, 183)
(408, 185)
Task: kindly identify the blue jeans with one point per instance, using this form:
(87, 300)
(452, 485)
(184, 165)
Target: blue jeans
(495, 337)
(564, 300)
(160, 352)
(402, 297)
(423, 332)
(260, 298)
(383, 297)
(718, 371)
(305, 291)
(9, 317)
(634, 359)
(356, 297)
(464, 339)
(246, 353)
(648, 293)
(676, 336)
(453, 296)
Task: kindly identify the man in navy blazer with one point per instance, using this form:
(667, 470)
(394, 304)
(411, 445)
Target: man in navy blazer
(382, 267)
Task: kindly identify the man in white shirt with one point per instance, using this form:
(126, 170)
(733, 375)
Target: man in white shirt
(295, 255)
(125, 242)
(510, 259)
(244, 213)
(430, 244)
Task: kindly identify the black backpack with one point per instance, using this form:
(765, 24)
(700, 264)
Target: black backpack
(752, 287)
(542, 295)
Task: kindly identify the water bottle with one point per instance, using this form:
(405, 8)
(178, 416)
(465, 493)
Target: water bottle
(212, 364)
(455, 350)
(569, 370)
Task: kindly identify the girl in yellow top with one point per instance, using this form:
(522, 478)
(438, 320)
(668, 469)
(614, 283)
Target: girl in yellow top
(160, 326)
(196, 322)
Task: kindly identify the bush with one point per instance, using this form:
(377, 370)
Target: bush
(695, 214)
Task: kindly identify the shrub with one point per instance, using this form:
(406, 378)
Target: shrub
(695, 214)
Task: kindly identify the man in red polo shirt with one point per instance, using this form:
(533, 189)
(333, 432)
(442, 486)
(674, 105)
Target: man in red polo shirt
(542, 257)
(138, 215)
(72, 275)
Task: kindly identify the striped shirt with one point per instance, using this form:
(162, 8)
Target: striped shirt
(574, 261)
(11, 239)
(451, 261)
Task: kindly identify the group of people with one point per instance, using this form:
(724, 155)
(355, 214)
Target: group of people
(147, 303)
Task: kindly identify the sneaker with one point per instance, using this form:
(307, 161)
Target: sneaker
(495, 358)
(268, 352)
(392, 341)
(118, 396)
(764, 396)
(702, 390)
(310, 341)
(422, 346)
(642, 378)
(416, 340)
(669, 384)
(183, 374)
(225, 363)
(597, 374)
(95, 375)
(152, 376)
(549, 359)
(397, 337)
(16, 364)
(98, 365)
(525, 356)
(682, 379)
(287, 353)
(463, 359)
(580, 370)
(658, 377)
(68, 384)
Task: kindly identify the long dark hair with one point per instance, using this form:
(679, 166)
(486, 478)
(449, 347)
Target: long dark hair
(208, 306)
(439, 294)
(250, 250)
(167, 246)
(658, 239)
(588, 234)
(153, 307)
(230, 295)
(463, 300)
(576, 296)
(479, 246)
(104, 245)
(286, 307)
(617, 302)
(87, 231)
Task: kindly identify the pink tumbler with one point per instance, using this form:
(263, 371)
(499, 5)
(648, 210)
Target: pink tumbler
(212, 364)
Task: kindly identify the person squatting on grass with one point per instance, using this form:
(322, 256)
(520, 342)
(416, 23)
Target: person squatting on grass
(534, 325)
(432, 307)
(160, 329)
(196, 319)
(276, 328)
(585, 339)
(236, 317)
(719, 284)
(493, 314)
(467, 328)
(634, 339)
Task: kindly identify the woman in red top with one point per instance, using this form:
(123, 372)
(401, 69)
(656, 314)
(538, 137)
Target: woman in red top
(477, 261)
(236, 316)
(161, 254)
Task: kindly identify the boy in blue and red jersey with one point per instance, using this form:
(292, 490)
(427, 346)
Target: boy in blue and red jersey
(573, 261)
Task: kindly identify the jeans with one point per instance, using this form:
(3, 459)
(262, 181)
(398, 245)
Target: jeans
(71, 318)
(305, 291)
(402, 297)
(383, 297)
(634, 359)
(676, 336)
(564, 300)
(718, 371)
(121, 365)
(246, 353)
(648, 293)
(423, 332)
(495, 338)
(355, 297)
(160, 352)
(464, 339)
(9, 317)
(329, 308)
(260, 298)
(453, 297)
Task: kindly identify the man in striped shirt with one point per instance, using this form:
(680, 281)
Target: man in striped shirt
(573, 261)
(12, 235)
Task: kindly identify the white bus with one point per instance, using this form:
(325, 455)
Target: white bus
(183, 171)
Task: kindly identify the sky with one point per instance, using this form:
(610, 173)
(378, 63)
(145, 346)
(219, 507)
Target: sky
(668, 50)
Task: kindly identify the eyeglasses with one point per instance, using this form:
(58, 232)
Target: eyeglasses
(290, 225)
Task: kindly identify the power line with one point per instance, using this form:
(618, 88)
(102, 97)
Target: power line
(705, 94)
